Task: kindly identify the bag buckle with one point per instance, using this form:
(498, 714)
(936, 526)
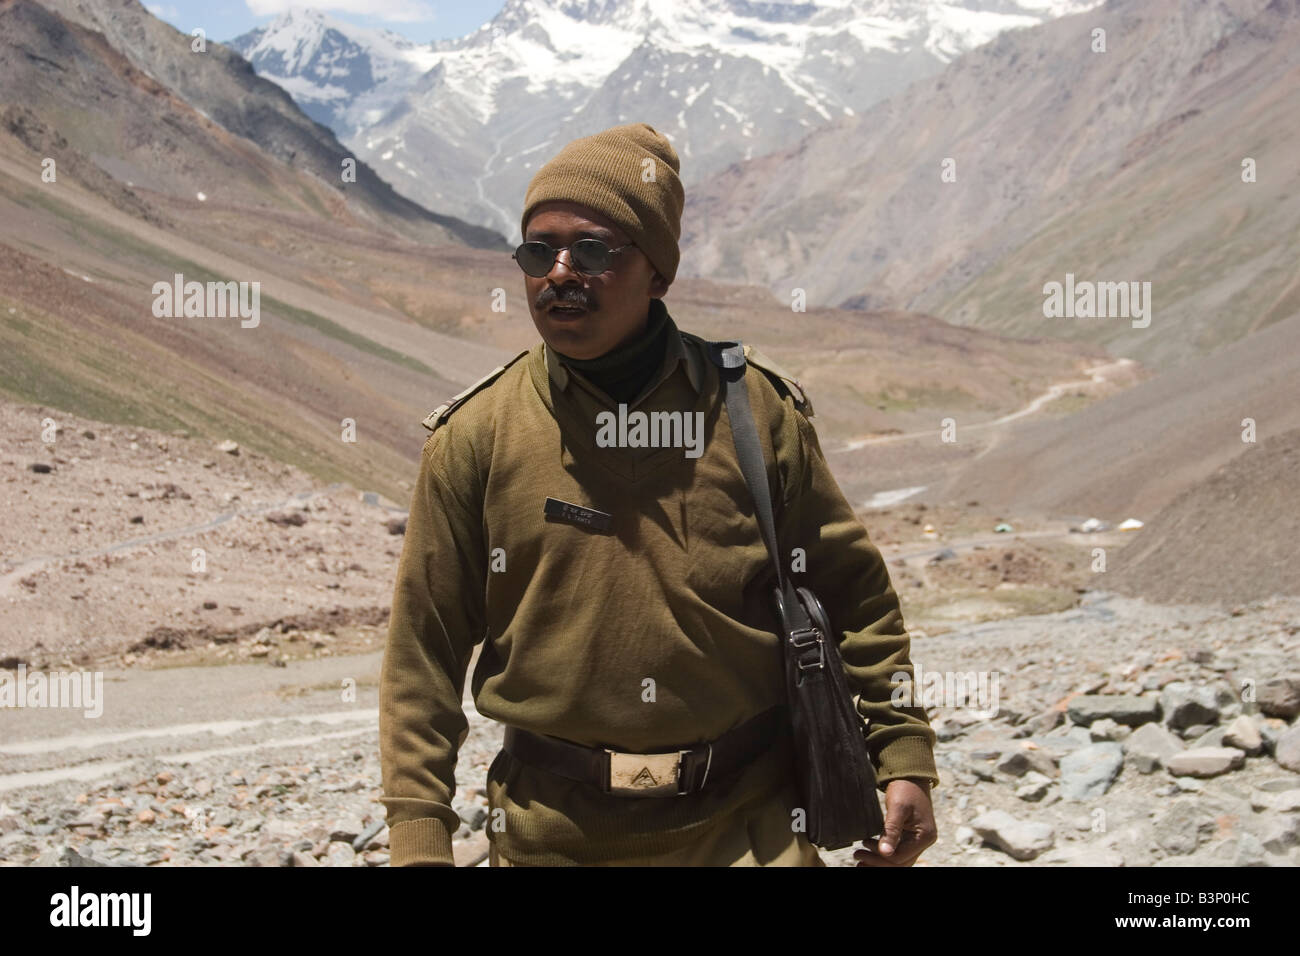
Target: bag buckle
(807, 637)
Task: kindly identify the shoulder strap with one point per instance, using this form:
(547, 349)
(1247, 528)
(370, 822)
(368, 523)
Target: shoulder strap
(730, 359)
(785, 383)
(440, 414)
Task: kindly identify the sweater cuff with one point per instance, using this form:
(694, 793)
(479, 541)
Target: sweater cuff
(420, 842)
(910, 756)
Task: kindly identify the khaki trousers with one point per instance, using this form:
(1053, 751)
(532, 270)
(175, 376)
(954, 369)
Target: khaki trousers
(757, 835)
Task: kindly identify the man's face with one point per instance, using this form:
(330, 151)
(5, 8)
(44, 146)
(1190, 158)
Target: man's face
(614, 305)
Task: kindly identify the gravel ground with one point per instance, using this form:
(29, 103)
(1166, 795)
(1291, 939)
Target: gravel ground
(1014, 788)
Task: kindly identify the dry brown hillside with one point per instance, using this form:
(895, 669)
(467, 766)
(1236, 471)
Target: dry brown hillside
(1230, 538)
(1131, 454)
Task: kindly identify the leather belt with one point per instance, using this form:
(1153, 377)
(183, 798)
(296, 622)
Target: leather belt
(663, 774)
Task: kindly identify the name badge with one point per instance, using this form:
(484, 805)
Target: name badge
(577, 514)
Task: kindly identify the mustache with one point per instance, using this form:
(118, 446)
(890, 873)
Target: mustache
(566, 295)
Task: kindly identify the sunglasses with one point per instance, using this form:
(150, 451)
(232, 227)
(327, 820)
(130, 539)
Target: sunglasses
(589, 256)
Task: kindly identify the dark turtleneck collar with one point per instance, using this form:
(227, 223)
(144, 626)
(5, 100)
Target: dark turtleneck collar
(624, 371)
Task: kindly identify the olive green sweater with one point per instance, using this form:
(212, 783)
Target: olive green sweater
(575, 621)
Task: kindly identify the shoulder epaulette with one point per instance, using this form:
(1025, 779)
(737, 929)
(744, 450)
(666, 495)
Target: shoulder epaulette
(440, 414)
(785, 382)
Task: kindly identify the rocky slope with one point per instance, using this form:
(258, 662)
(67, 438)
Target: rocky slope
(1243, 524)
(1037, 156)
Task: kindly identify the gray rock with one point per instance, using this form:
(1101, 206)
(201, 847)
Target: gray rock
(1269, 732)
(961, 778)
(474, 817)
(1281, 833)
(1035, 787)
(1280, 696)
(264, 856)
(1107, 729)
(1069, 732)
(1047, 720)
(1288, 801)
(1185, 705)
(345, 830)
(1249, 851)
(1058, 746)
(1022, 760)
(967, 838)
(340, 854)
(1121, 708)
(1276, 801)
(1286, 751)
(1195, 732)
(1184, 827)
(1019, 839)
(1244, 735)
(1205, 761)
(303, 859)
(1088, 773)
(1149, 745)
(368, 834)
(1211, 738)
(1085, 855)
(71, 857)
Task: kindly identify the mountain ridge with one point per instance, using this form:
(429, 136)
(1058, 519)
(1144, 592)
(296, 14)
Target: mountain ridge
(723, 79)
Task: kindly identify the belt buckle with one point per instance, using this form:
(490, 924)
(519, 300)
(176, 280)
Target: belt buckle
(654, 775)
(644, 775)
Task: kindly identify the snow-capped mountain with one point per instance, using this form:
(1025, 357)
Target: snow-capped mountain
(338, 73)
(725, 80)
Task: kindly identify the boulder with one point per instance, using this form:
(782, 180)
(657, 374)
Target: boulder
(1107, 729)
(1186, 705)
(1205, 761)
(1035, 787)
(1019, 839)
(1088, 772)
(1281, 833)
(1244, 735)
(1280, 696)
(1287, 749)
(1022, 760)
(1121, 708)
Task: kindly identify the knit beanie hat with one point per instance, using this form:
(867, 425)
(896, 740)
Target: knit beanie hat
(627, 173)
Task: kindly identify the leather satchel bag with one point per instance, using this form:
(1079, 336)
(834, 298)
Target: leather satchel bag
(837, 781)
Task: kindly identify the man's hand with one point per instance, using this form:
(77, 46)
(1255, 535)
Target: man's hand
(909, 826)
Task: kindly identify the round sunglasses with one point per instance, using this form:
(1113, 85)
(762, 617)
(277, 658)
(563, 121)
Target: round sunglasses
(589, 256)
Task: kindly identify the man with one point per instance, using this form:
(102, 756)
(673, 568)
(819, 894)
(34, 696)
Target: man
(618, 582)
